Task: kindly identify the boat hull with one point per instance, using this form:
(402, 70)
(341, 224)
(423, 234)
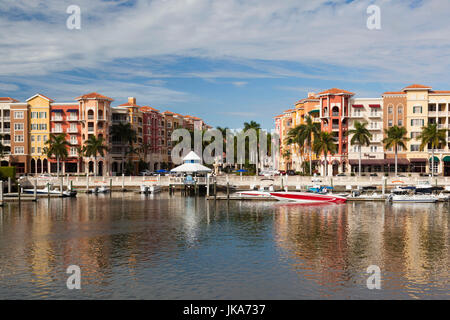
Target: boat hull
(304, 197)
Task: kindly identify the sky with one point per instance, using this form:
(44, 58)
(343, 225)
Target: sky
(226, 61)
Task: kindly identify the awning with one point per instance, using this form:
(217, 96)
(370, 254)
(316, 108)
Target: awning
(400, 161)
(72, 110)
(436, 159)
(57, 110)
(357, 106)
(446, 159)
(315, 110)
(418, 160)
(374, 106)
(367, 162)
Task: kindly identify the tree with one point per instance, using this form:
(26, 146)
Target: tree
(324, 143)
(257, 127)
(93, 147)
(3, 148)
(361, 136)
(433, 136)
(57, 146)
(80, 152)
(303, 135)
(124, 133)
(287, 155)
(395, 137)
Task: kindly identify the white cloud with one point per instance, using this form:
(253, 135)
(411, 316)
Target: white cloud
(412, 45)
(239, 83)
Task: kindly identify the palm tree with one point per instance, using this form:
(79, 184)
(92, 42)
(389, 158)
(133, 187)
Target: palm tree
(93, 147)
(257, 127)
(304, 135)
(286, 155)
(395, 137)
(123, 133)
(324, 143)
(361, 136)
(251, 125)
(57, 146)
(432, 135)
(80, 152)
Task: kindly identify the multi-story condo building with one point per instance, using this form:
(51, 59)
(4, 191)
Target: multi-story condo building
(152, 143)
(25, 127)
(334, 112)
(368, 111)
(5, 128)
(413, 107)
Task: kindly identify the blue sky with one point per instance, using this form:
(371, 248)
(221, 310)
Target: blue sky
(225, 61)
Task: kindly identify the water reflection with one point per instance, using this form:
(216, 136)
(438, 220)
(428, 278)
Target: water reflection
(157, 247)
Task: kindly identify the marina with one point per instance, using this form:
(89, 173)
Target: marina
(132, 246)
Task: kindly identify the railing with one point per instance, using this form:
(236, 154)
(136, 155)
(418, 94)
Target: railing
(357, 115)
(72, 118)
(90, 129)
(436, 150)
(335, 114)
(432, 113)
(374, 114)
(57, 130)
(73, 141)
(6, 130)
(57, 118)
(72, 130)
(6, 141)
(6, 118)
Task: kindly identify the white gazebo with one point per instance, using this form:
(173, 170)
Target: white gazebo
(191, 165)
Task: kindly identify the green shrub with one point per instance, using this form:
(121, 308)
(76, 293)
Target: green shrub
(7, 172)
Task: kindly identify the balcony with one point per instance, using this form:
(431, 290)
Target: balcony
(90, 129)
(335, 127)
(432, 113)
(72, 130)
(375, 115)
(5, 142)
(57, 118)
(357, 115)
(73, 142)
(57, 130)
(6, 130)
(72, 118)
(335, 114)
(6, 119)
(101, 119)
(442, 126)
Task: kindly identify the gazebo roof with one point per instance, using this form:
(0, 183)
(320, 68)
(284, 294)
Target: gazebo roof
(191, 168)
(192, 156)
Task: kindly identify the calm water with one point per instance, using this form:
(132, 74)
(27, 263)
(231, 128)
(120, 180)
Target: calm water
(130, 246)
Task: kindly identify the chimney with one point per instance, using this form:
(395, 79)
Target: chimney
(311, 94)
(132, 100)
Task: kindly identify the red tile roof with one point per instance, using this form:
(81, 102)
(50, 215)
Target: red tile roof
(440, 91)
(416, 86)
(94, 95)
(394, 92)
(8, 99)
(129, 105)
(147, 109)
(334, 91)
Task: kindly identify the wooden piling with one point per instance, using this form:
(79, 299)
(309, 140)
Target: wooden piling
(87, 182)
(1, 192)
(228, 191)
(9, 184)
(207, 185)
(35, 190)
(19, 191)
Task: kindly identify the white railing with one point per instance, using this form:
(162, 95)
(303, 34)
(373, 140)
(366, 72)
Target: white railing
(57, 130)
(57, 118)
(72, 118)
(72, 130)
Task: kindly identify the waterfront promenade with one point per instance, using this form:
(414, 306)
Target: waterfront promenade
(295, 182)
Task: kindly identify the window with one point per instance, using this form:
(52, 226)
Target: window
(44, 138)
(39, 150)
(390, 123)
(417, 122)
(42, 115)
(18, 138)
(400, 110)
(18, 114)
(417, 109)
(400, 122)
(390, 110)
(415, 147)
(42, 126)
(38, 138)
(414, 135)
(32, 150)
(32, 138)
(18, 126)
(373, 149)
(34, 126)
(19, 150)
(73, 151)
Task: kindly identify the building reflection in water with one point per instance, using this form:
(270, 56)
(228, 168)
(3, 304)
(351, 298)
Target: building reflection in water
(334, 244)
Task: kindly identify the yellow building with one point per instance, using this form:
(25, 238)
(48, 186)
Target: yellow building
(39, 122)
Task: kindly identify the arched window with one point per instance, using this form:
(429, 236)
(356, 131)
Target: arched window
(90, 114)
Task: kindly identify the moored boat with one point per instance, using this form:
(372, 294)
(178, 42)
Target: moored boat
(306, 197)
(46, 191)
(414, 198)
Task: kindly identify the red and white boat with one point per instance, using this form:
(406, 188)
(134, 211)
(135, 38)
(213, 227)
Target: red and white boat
(306, 197)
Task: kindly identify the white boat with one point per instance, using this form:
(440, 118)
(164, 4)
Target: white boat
(46, 191)
(150, 189)
(307, 197)
(101, 189)
(414, 198)
(262, 192)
